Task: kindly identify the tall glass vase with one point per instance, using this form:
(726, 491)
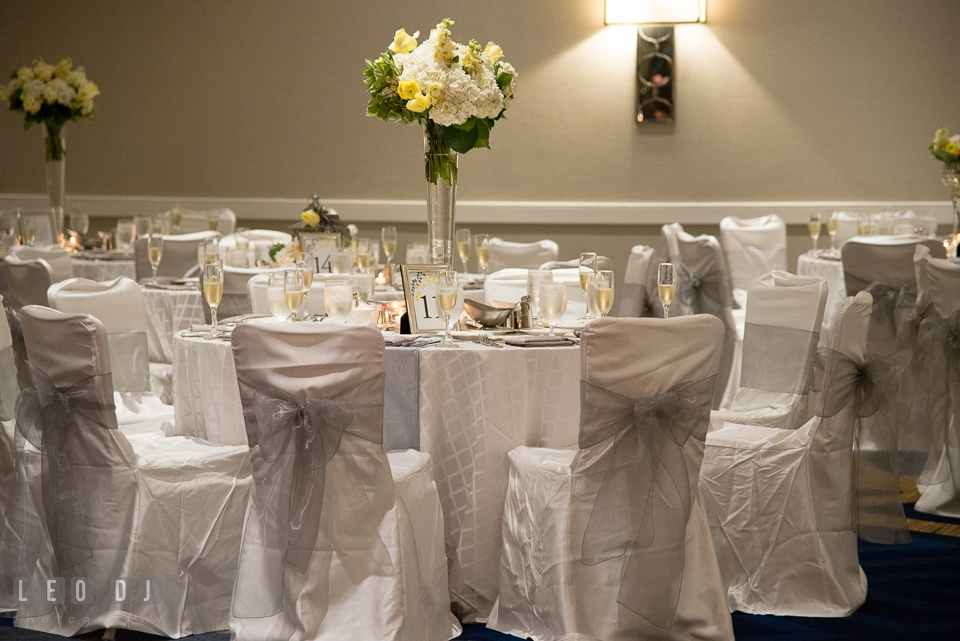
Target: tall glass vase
(441, 174)
(950, 173)
(56, 174)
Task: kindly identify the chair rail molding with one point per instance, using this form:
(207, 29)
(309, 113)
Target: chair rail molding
(477, 211)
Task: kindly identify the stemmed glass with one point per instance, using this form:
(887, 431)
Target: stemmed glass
(362, 257)
(338, 299)
(481, 243)
(213, 220)
(388, 238)
(463, 246)
(863, 225)
(666, 286)
(304, 264)
(364, 284)
(155, 252)
(275, 301)
(447, 289)
(832, 224)
(213, 291)
(535, 277)
(588, 267)
(603, 291)
(80, 223)
(176, 215)
(814, 227)
(293, 291)
(211, 250)
(553, 303)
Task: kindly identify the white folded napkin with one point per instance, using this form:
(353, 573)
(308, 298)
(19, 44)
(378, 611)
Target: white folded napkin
(538, 341)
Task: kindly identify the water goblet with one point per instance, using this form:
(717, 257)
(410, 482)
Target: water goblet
(338, 299)
(363, 282)
(275, 300)
(534, 279)
(80, 223)
(553, 303)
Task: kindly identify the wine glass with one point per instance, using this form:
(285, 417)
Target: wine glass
(588, 267)
(447, 289)
(28, 230)
(293, 291)
(363, 282)
(666, 286)
(126, 233)
(275, 300)
(535, 277)
(80, 223)
(388, 238)
(863, 225)
(338, 299)
(603, 291)
(213, 290)
(832, 224)
(463, 246)
(155, 251)
(553, 303)
(303, 262)
(481, 242)
(243, 239)
(176, 216)
(814, 227)
(213, 220)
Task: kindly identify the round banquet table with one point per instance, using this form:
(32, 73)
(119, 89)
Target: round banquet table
(831, 270)
(101, 270)
(170, 309)
(466, 407)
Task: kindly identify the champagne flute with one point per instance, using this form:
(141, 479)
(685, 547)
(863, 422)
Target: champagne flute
(213, 291)
(481, 243)
(293, 291)
(463, 246)
(176, 216)
(553, 303)
(603, 291)
(536, 277)
(275, 300)
(588, 267)
(213, 220)
(863, 225)
(338, 299)
(155, 252)
(666, 286)
(388, 238)
(362, 257)
(209, 250)
(447, 289)
(303, 262)
(832, 224)
(814, 227)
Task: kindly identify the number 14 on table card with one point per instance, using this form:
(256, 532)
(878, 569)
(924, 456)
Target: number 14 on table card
(321, 246)
(420, 294)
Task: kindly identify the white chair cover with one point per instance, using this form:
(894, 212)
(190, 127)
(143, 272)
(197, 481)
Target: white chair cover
(753, 247)
(670, 238)
(933, 406)
(784, 314)
(8, 397)
(118, 304)
(28, 280)
(158, 507)
(261, 240)
(508, 255)
(781, 502)
(638, 295)
(904, 222)
(510, 285)
(611, 541)
(326, 540)
(57, 257)
(602, 263)
(180, 255)
(196, 221)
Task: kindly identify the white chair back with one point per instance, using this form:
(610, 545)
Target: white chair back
(196, 221)
(8, 398)
(753, 247)
(638, 295)
(670, 233)
(57, 257)
(261, 241)
(27, 281)
(509, 255)
(180, 255)
(510, 285)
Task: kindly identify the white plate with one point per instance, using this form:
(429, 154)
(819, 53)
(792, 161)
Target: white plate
(570, 324)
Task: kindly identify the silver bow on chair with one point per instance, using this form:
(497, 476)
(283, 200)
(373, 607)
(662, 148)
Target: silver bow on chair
(887, 300)
(647, 489)
(871, 389)
(698, 292)
(47, 419)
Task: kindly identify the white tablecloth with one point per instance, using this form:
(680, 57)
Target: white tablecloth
(832, 272)
(169, 311)
(474, 405)
(101, 270)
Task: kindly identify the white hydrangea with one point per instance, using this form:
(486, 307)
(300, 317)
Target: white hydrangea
(58, 91)
(77, 78)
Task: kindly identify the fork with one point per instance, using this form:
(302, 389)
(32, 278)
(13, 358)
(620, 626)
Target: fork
(483, 339)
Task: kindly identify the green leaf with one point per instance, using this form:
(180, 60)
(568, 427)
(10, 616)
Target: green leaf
(483, 130)
(503, 79)
(274, 249)
(468, 125)
(459, 140)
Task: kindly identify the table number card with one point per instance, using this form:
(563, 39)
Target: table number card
(321, 246)
(420, 293)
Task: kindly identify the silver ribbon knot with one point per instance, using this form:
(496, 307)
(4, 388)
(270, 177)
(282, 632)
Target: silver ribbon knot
(887, 300)
(693, 288)
(645, 468)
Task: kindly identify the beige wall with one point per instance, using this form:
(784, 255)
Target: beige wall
(778, 100)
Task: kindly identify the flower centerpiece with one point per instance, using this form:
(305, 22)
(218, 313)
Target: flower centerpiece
(457, 93)
(52, 95)
(317, 219)
(946, 149)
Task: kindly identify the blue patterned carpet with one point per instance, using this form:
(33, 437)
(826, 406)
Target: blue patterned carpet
(914, 593)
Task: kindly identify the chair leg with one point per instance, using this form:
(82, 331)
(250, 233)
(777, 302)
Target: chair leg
(109, 634)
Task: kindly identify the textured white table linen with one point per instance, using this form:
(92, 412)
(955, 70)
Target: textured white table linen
(101, 270)
(832, 272)
(474, 406)
(169, 311)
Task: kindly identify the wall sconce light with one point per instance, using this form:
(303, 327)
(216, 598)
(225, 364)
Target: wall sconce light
(655, 49)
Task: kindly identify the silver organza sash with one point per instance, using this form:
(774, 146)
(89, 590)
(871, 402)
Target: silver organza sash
(8, 383)
(889, 303)
(766, 348)
(871, 390)
(296, 442)
(704, 294)
(129, 361)
(647, 489)
(47, 417)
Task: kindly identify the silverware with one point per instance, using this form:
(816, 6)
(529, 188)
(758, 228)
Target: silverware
(483, 339)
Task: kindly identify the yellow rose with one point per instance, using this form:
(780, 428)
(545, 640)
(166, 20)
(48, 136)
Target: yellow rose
(403, 42)
(64, 67)
(494, 51)
(30, 104)
(42, 70)
(953, 148)
(88, 92)
(408, 89)
(311, 218)
(25, 74)
(419, 103)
